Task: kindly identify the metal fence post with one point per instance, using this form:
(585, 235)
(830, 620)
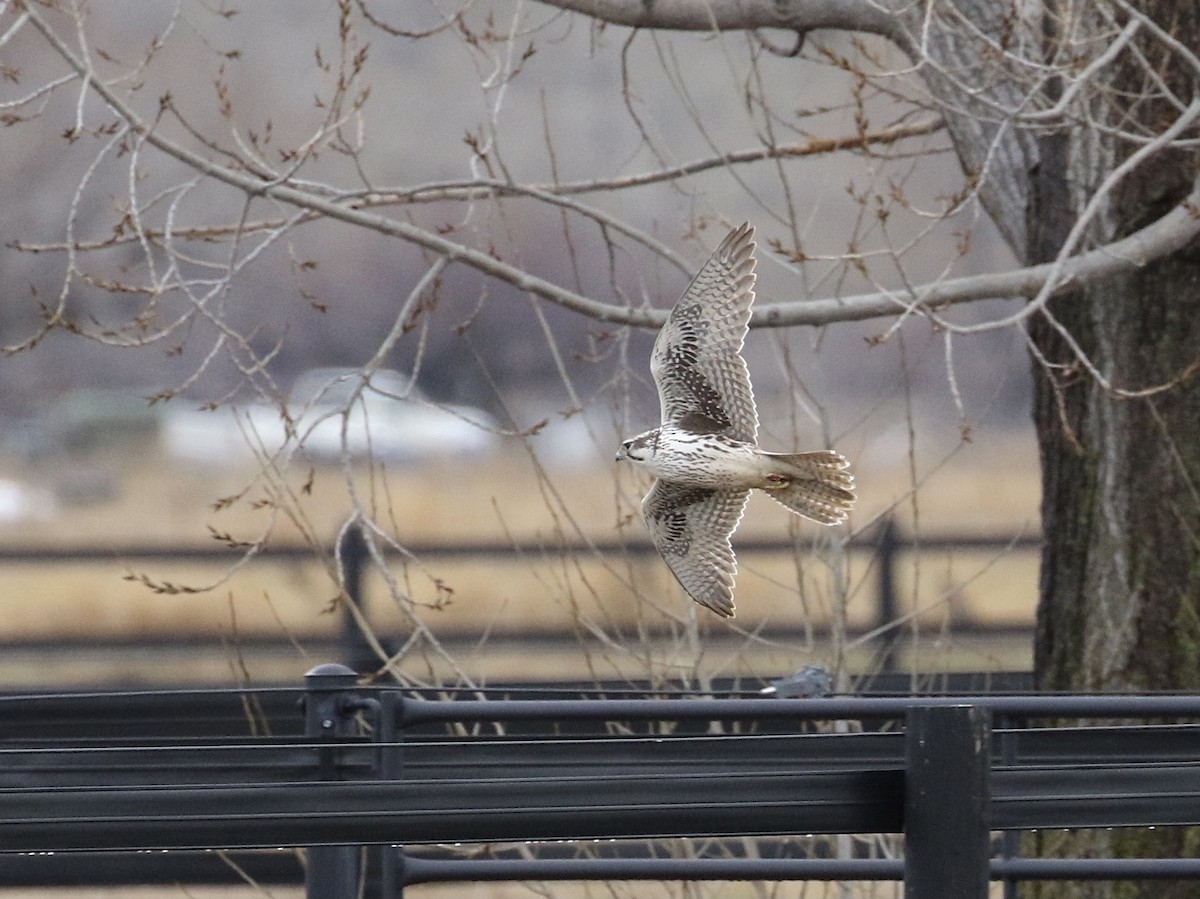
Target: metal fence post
(946, 802)
(390, 762)
(332, 871)
(1010, 840)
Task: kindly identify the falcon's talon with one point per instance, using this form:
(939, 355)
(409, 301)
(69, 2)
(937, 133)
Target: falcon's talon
(705, 454)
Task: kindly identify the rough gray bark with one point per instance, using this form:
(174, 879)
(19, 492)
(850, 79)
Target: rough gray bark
(1121, 571)
(1120, 574)
(1119, 605)
(1121, 567)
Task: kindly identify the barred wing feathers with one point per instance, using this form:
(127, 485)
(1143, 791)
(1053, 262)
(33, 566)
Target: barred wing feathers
(691, 527)
(697, 362)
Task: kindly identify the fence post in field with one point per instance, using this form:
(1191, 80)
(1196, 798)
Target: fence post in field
(352, 554)
(946, 800)
(889, 607)
(332, 871)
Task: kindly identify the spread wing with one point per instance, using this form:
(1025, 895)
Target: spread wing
(691, 527)
(697, 362)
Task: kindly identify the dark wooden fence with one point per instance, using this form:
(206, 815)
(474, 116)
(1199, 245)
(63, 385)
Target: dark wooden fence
(178, 785)
(887, 544)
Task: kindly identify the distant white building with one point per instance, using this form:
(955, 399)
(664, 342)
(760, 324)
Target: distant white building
(332, 412)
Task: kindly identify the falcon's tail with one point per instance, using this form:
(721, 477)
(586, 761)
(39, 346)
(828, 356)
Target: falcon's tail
(817, 485)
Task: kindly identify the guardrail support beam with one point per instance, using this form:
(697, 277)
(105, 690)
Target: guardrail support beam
(947, 795)
(331, 872)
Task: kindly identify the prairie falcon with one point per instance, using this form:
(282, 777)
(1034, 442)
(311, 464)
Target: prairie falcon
(705, 454)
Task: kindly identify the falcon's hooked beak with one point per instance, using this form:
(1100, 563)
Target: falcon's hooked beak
(639, 448)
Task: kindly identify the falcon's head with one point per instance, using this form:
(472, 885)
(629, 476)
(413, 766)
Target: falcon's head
(639, 448)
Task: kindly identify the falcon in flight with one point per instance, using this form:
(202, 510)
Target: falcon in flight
(705, 454)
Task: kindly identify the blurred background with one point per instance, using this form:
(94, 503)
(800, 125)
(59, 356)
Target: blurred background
(201, 387)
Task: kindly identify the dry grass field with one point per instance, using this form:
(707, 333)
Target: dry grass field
(986, 486)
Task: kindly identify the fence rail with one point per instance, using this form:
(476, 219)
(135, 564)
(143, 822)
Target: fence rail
(337, 767)
(888, 544)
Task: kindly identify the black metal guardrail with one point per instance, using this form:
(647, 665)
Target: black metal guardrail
(887, 543)
(174, 785)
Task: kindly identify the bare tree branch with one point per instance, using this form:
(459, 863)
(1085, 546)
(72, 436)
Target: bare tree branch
(485, 189)
(1155, 241)
(1171, 233)
(720, 15)
(812, 147)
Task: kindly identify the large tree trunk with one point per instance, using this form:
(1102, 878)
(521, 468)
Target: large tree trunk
(1120, 575)
(1121, 507)
(1120, 578)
